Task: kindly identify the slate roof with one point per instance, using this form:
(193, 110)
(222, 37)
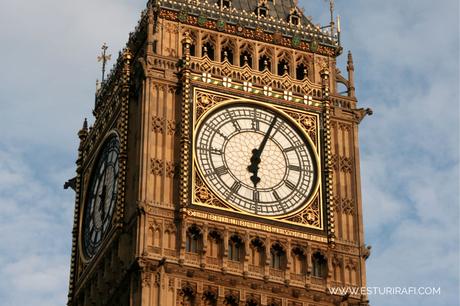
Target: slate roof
(280, 9)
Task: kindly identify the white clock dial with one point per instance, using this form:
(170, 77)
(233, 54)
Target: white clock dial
(255, 159)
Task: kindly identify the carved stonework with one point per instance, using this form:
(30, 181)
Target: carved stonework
(156, 166)
(311, 215)
(158, 124)
(171, 127)
(204, 195)
(146, 279)
(205, 101)
(346, 164)
(171, 169)
(345, 206)
(308, 123)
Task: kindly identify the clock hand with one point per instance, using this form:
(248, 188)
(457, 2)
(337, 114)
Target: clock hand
(257, 153)
(102, 201)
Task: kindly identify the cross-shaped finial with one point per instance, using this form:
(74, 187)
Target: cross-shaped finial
(104, 57)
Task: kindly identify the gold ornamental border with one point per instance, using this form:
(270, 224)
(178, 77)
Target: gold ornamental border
(315, 194)
(254, 225)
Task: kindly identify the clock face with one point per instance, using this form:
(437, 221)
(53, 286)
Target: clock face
(101, 197)
(256, 159)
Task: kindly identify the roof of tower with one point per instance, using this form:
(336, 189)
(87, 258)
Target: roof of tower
(279, 9)
(245, 13)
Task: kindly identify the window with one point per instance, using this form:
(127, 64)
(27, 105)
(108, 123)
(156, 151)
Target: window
(283, 67)
(227, 54)
(301, 72)
(264, 63)
(246, 58)
(262, 11)
(257, 252)
(193, 241)
(208, 50)
(294, 19)
(214, 244)
(298, 261)
(225, 3)
(277, 256)
(235, 248)
(319, 263)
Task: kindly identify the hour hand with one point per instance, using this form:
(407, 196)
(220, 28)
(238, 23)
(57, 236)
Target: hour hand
(254, 166)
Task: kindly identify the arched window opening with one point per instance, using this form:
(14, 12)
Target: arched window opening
(227, 54)
(231, 300)
(193, 241)
(210, 298)
(294, 18)
(208, 50)
(319, 263)
(225, 3)
(298, 261)
(283, 67)
(262, 10)
(301, 71)
(264, 63)
(252, 302)
(235, 248)
(257, 252)
(214, 244)
(246, 59)
(278, 256)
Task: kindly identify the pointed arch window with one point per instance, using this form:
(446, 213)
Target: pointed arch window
(193, 240)
(278, 257)
(227, 54)
(283, 67)
(319, 265)
(262, 9)
(298, 261)
(257, 252)
(301, 71)
(235, 248)
(214, 244)
(264, 63)
(208, 50)
(225, 3)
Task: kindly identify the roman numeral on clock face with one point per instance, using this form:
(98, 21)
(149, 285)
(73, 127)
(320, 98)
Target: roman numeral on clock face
(290, 185)
(235, 187)
(221, 170)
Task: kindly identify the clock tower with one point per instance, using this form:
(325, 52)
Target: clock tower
(222, 167)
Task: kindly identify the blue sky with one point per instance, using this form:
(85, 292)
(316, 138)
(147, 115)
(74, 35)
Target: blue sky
(407, 70)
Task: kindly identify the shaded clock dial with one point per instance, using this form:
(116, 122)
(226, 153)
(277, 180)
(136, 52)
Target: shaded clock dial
(101, 198)
(256, 159)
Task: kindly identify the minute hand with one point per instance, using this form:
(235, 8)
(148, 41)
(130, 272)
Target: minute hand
(257, 153)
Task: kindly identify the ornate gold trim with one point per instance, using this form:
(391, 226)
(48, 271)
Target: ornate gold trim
(203, 195)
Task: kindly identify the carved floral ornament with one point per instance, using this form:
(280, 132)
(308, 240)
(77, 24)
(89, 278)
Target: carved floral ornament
(271, 88)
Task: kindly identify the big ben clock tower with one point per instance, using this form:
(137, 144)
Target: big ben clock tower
(222, 167)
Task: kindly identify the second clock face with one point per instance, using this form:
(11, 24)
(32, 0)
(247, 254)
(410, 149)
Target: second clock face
(101, 199)
(255, 159)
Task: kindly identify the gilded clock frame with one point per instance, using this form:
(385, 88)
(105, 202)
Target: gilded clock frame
(228, 99)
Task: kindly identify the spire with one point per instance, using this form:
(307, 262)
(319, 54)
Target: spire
(351, 75)
(84, 131)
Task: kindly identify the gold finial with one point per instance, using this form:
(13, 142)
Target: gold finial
(104, 57)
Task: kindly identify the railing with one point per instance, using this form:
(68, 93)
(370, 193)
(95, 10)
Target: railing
(298, 277)
(192, 258)
(256, 269)
(234, 266)
(277, 273)
(170, 253)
